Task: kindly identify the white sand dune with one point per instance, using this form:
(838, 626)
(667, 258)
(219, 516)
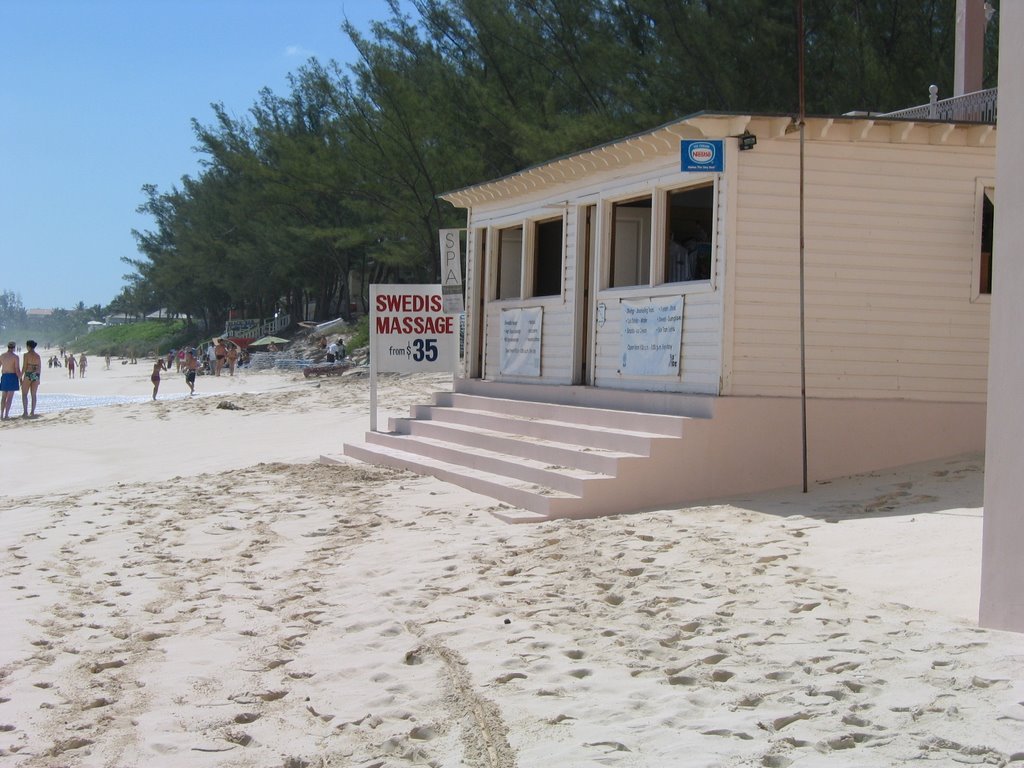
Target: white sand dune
(184, 584)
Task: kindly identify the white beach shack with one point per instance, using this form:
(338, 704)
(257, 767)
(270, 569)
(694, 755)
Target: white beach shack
(634, 314)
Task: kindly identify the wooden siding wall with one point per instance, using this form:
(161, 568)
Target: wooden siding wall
(701, 348)
(890, 243)
(702, 305)
(557, 324)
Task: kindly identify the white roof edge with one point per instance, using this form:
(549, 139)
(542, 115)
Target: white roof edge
(702, 125)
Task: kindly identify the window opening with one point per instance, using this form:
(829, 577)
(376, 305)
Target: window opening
(508, 283)
(631, 243)
(987, 218)
(547, 280)
(689, 224)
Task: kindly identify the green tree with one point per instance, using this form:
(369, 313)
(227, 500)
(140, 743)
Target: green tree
(12, 311)
(341, 176)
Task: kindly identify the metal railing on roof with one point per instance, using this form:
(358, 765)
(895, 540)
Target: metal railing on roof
(977, 107)
(254, 329)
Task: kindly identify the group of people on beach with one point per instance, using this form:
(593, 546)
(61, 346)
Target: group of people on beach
(23, 375)
(189, 364)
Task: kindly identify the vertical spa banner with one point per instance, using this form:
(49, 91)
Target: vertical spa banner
(652, 332)
(521, 340)
(451, 272)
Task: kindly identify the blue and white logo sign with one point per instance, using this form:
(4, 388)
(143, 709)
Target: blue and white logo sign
(702, 156)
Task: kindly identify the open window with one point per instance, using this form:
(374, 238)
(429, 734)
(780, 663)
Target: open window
(689, 224)
(630, 257)
(508, 261)
(984, 216)
(987, 215)
(667, 237)
(548, 247)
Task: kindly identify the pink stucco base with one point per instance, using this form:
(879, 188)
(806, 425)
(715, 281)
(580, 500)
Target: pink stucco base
(755, 443)
(735, 445)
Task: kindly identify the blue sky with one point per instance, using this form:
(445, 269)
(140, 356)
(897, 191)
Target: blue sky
(97, 99)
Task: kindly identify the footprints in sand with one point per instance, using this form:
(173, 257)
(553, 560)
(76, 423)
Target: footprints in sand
(382, 629)
(146, 580)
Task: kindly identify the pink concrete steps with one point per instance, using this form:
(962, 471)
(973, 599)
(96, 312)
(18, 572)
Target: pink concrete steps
(548, 460)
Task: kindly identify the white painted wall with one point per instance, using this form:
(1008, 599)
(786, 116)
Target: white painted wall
(702, 324)
(891, 251)
(1002, 576)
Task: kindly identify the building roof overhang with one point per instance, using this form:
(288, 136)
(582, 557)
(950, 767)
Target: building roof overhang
(664, 141)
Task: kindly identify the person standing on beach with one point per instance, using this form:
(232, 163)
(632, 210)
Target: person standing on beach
(190, 371)
(82, 360)
(155, 378)
(220, 352)
(71, 366)
(31, 370)
(232, 358)
(10, 373)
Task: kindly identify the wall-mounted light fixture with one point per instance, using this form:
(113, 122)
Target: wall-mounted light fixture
(747, 141)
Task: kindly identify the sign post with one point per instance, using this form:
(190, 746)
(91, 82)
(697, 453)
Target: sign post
(409, 333)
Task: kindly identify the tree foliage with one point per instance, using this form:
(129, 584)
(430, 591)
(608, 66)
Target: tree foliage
(311, 196)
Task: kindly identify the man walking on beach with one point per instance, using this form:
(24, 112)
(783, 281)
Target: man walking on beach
(190, 371)
(10, 373)
(31, 369)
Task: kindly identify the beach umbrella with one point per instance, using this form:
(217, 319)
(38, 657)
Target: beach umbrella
(266, 341)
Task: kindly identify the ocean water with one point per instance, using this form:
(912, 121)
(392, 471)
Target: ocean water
(55, 402)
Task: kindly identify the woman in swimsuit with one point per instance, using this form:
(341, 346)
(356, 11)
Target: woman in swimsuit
(31, 367)
(155, 378)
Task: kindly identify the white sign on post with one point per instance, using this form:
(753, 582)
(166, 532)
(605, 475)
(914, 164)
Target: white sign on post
(652, 332)
(451, 272)
(521, 341)
(409, 333)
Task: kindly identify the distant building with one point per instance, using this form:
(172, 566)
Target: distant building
(119, 318)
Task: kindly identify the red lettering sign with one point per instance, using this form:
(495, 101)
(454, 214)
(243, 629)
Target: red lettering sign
(397, 302)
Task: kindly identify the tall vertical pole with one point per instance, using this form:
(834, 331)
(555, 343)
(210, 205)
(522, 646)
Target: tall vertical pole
(803, 345)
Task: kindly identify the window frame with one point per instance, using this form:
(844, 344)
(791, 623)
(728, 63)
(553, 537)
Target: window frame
(981, 184)
(608, 272)
(528, 255)
(495, 243)
(664, 232)
(659, 196)
(533, 256)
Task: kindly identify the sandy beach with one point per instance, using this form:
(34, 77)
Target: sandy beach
(183, 583)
